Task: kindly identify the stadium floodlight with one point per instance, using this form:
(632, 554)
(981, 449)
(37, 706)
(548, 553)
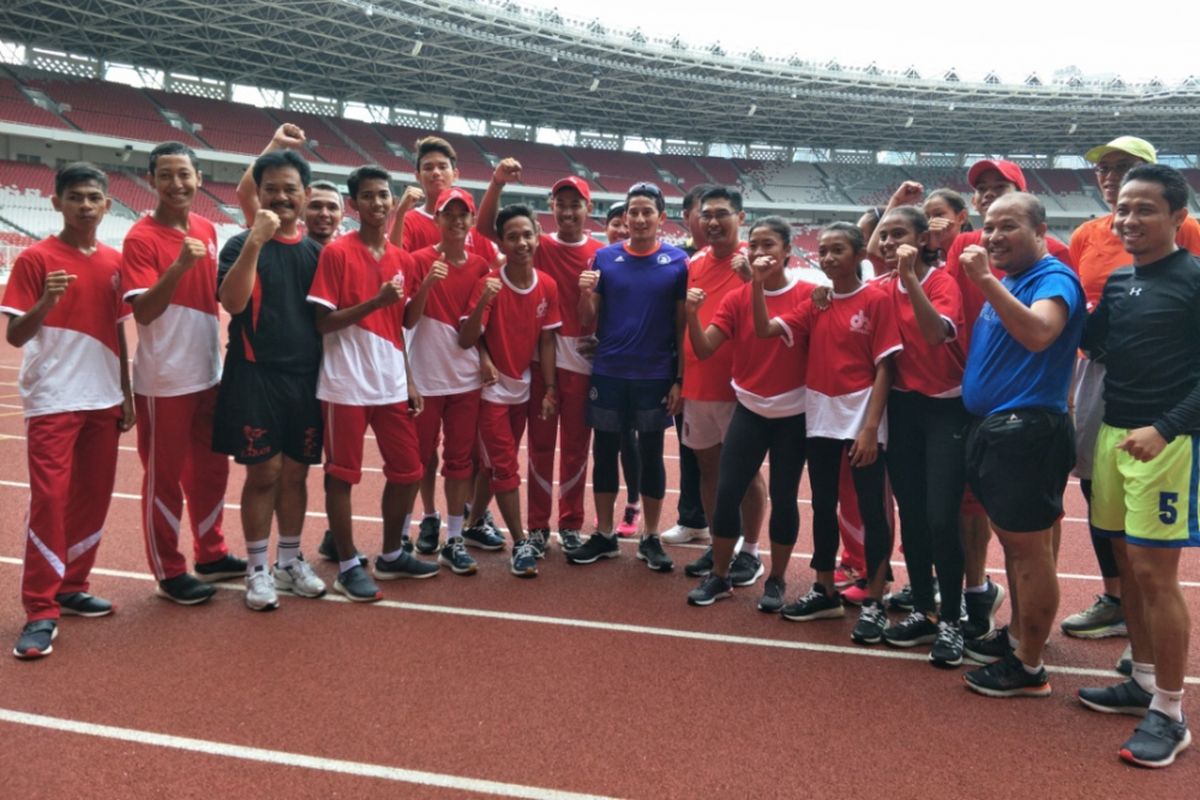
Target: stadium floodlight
(753, 108)
(417, 44)
(1074, 127)
(908, 122)
(595, 84)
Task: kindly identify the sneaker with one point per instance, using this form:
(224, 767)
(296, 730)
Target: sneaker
(903, 599)
(1008, 677)
(631, 521)
(569, 539)
(774, 592)
(260, 591)
(871, 622)
(701, 566)
(817, 604)
(981, 611)
(1105, 617)
(356, 584)
(82, 604)
(1125, 663)
(328, 549)
(989, 649)
(36, 639)
(596, 547)
(299, 579)
(224, 568)
(524, 560)
(1156, 741)
(746, 569)
(947, 650)
(406, 565)
(650, 550)
(487, 521)
(185, 589)
(682, 534)
(454, 555)
(483, 535)
(844, 576)
(537, 539)
(1126, 697)
(911, 631)
(858, 594)
(428, 533)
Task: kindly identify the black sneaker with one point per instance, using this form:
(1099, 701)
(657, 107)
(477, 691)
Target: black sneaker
(981, 611)
(901, 600)
(185, 589)
(569, 539)
(871, 622)
(1126, 697)
(36, 639)
(82, 604)
(746, 569)
(428, 533)
(537, 538)
(947, 650)
(817, 604)
(1008, 677)
(483, 536)
(327, 550)
(774, 592)
(357, 585)
(711, 589)
(454, 555)
(224, 568)
(911, 631)
(524, 560)
(701, 566)
(1156, 741)
(650, 550)
(989, 649)
(489, 522)
(406, 565)
(596, 547)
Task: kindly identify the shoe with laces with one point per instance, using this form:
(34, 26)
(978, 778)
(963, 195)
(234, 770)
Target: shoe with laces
(817, 604)
(597, 546)
(455, 556)
(405, 565)
(845, 575)
(1125, 662)
(82, 604)
(224, 568)
(911, 631)
(299, 579)
(185, 589)
(1007, 677)
(260, 590)
(904, 600)
(483, 535)
(631, 521)
(569, 539)
(650, 550)
(682, 534)
(36, 639)
(701, 566)
(711, 589)
(858, 594)
(981, 611)
(746, 569)
(947, 650)
(1156, 741)
(1105, 617)
(524, 560)
(327, 549)
(989, 649)
(773, 596)
(1126, 697)
(538, 538)
(357, 585)
(872, 619)
(427, 534)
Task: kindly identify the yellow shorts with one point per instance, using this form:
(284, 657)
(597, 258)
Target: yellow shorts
(1152, 502)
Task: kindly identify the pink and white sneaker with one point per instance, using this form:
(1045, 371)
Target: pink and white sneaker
(631, 521)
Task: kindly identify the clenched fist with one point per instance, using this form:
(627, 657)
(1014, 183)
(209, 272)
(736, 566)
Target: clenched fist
(266, 222)
(193, 250)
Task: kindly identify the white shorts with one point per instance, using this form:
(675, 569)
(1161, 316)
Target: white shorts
(705, 422)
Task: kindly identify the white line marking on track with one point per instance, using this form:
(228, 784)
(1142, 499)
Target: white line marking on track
(286, 759)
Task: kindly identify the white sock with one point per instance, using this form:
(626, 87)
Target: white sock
(978, 589)
(1143, 674)
(1033, 670)
(751, 548)
(256, 555)
(287, 550)
(348, 564)
(1012, 640)
(1169, 703)
(454, 526)
(392, 556)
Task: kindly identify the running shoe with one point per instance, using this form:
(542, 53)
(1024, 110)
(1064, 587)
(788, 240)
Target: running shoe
(327, 550)
(82, 604)
(537, 539)
(299, 579)
(36, 639)
(455, 556)
(483, 535)
(569, 539)
(185, 590)
(405, 565)
(981, 610)
(989, 649)
(858, 594)
(817, 604)
(871, 621)
(947, 650)
(1126, 697)
(903, 600)
(631, 521)
(682, 534)
(226, 567)
(357, 585)
(427, 534)
(1008, 677)
(701, 566)
(711, 589)
(1156, 741)
(260, 591)
(1105, 617)
(597, 546)
(911, 631)
(524, 560)
(844, 576)
(773, 596)
(746, 569)
(650, 550)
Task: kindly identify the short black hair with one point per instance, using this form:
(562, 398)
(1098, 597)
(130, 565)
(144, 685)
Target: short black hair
(435, 144)
(77, 172)
(173, 149)
(778, 226)
(367, 172)
(277, 159)
(647, 189)
(328, 186)
(692, 198)
(511, 212)
(919, 223)
(1174, 185)
(850, 231)
(722, 193)
(616, 210)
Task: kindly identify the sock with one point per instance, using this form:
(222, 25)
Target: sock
(751, 548)
(288, 550)
(1143, 674)
(1013, 641)
(1033, 670)
(1169, 703)
(405, 527)
(392, 556)
(978, 589)
(348, 564)
(431, 515)
(636, 505)
(454, 526)
(256, 555)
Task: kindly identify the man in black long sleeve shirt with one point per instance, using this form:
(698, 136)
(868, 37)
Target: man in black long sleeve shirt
(1147, 468)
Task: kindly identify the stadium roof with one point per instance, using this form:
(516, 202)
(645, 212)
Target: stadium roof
(495, 60)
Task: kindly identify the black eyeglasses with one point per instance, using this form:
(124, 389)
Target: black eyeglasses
(1120, 168)
(645, 188)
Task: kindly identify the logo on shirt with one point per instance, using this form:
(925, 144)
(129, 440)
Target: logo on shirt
(116, 282)
(542, 308)
(619, 259)
(212, 250)
(860, 323)
(1135, 290)
(664, 259)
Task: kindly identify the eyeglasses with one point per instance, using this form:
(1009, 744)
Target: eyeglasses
(1120, 168)
(645, 188)
(718, 216)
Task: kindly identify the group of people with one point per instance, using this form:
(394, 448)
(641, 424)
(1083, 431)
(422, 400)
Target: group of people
(967, 378)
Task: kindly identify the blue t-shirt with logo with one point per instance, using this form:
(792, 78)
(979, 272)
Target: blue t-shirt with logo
(1001, 375)
(636, 329)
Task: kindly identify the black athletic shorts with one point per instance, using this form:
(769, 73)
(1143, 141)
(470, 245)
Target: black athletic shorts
(1017, 465)
(262, 412)
(617, 404)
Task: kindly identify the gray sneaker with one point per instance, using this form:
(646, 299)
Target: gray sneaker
(1126, 697)
(710, 590)
(746, 569)
(1105, 617)
(650, 550)
(406, 565)
(772, 599)
(1156, 741)
(701, 566)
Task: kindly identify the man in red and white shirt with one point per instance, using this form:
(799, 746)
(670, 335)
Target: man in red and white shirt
(169, 276)
(64, 306)
(563, 255)
(516, 311)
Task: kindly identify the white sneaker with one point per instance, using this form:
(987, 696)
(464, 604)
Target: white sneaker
(299, 579)
(260, 591)
(682, 534)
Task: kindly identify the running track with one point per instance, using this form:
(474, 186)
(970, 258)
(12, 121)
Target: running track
(588, 681)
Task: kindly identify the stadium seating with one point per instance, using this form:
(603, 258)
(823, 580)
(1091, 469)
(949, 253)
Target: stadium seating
(472, 164)
(686, 172)
(16, 107)
(330, 146)
(234, 127)
(370, 141)
(939, 178)
(541, 164)
(116, 110)
(617, 170)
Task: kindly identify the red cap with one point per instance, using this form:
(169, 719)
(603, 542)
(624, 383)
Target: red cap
(455, 193)
(1010, 171)
(574, 182)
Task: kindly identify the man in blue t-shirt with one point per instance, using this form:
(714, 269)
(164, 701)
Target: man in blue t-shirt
(1021, 446)
(634, 292)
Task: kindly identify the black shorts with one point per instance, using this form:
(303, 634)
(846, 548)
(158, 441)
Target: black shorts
(1017, 465)
(262, 412)
(617, 404)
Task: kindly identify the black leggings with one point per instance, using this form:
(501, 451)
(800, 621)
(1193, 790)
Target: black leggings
(606, 449)
(631, 465)
(824, 468)
(1101, 545)
(926, 463)
(749, 438)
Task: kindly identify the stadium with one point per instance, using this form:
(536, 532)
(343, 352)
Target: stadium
(595, 686)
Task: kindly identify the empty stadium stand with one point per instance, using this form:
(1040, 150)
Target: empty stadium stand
(234, 127)
(116, 110)
(16, 107)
